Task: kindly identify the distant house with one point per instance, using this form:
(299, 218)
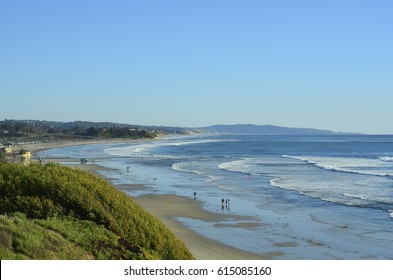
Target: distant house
(7, 148)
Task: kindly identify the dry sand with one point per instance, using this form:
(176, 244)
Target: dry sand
(167, 208)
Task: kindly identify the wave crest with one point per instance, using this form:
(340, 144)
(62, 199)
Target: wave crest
(373, 167)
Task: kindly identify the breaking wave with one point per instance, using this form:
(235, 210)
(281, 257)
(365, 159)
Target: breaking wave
(375, 167)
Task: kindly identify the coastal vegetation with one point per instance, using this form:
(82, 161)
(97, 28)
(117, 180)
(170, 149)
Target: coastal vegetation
(34, 130)
(2, 156)
(56, 212)
(47, 130)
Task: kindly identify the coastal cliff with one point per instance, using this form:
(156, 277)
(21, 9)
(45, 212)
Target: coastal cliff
(55, 212)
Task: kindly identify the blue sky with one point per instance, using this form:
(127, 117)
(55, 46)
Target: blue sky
(318, 64)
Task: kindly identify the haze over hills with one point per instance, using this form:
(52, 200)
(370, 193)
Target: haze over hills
(50, 130)
(252, 129)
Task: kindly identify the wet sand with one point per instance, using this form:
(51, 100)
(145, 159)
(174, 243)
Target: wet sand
(167, 208)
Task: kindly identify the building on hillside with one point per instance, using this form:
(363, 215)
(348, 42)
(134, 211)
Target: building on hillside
(7, 148)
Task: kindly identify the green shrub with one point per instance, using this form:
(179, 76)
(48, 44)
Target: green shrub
(22, 238)
(53, 191)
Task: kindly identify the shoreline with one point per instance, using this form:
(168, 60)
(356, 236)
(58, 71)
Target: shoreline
(167, 208)
(42, 146)
(284, 224)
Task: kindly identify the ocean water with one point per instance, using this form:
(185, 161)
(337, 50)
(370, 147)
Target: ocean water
(304, 197)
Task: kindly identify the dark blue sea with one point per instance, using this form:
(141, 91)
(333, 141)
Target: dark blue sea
(311, 197)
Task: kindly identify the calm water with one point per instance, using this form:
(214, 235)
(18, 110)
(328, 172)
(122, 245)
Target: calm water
(313, 197)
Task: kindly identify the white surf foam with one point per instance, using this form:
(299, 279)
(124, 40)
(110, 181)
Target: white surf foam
(239, 166)
(386, 158)
(188, 167)
(140, 150)
(375, 167)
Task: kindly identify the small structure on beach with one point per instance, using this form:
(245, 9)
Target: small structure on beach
(25, 154)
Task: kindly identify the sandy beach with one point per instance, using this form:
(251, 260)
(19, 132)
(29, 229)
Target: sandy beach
(262, 217)
(40, 146)
(167, 208)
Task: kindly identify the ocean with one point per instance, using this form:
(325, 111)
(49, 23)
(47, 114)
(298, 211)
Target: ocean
(311, 197)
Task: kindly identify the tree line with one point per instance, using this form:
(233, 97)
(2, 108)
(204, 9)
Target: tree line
(41, 130)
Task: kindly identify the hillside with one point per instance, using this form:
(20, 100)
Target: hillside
(251, 129)
(35, 130)
(55, 212)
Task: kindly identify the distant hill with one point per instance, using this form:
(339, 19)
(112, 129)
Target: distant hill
(18, 130)
(252, 129)
(35, 130)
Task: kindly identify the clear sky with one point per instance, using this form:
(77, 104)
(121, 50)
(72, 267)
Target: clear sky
(317, 64)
